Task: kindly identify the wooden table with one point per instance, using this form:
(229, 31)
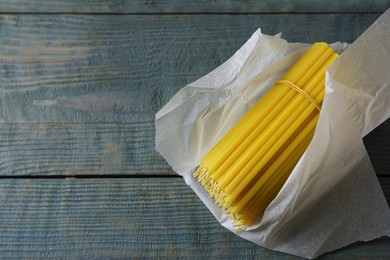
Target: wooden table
(80, 83)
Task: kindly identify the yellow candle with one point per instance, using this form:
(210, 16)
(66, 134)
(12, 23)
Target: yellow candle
(268, 193)
(287, 156)
(280, 126)
(246, 168)
(266, 139)
(208, 173)
(234, 137)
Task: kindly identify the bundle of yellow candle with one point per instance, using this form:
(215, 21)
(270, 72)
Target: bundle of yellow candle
(246, 169)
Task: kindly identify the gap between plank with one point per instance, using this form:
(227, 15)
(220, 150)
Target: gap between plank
(114, 176)
(93, 176)
(191, 13)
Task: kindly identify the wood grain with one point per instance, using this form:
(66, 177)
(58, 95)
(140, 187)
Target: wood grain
(122, 218)
(78, 94)
(67, 148)
(199, 6)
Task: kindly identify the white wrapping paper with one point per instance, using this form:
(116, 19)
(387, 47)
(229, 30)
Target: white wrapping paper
(332, 198)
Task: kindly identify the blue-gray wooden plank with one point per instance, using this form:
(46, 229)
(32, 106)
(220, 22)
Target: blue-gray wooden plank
(123, 218)
(78, 94)
(199, 6)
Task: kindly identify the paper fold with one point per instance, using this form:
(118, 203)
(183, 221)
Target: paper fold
(332, 198)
